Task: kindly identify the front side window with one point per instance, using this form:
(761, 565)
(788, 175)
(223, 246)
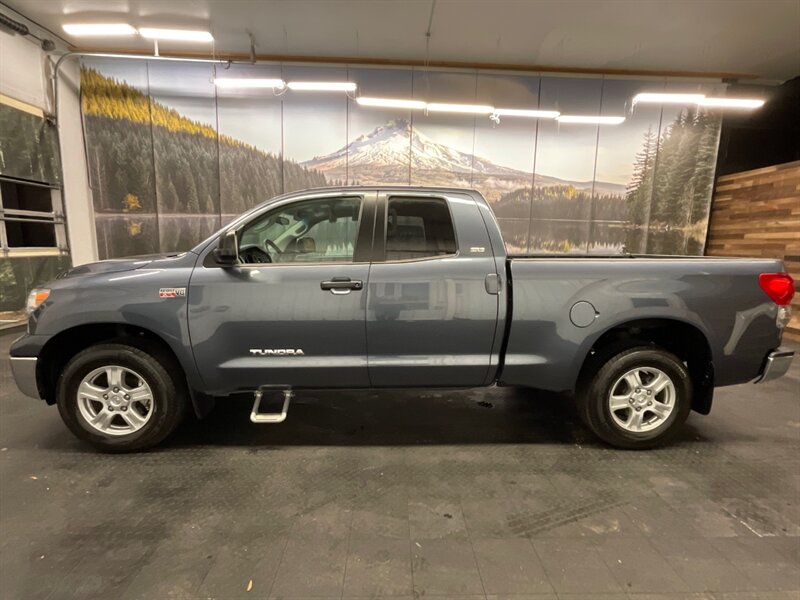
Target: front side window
(312, 231)
(418, 228)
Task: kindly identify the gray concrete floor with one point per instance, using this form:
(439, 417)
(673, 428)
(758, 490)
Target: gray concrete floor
(479, 494)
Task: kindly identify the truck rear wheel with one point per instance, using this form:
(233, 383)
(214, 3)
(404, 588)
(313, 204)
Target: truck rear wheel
(638, 398)
(121, 398)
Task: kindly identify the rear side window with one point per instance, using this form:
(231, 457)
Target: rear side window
(418, 228)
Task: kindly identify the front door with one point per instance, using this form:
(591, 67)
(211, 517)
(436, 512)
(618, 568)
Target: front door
(293, 311)
(430, 319)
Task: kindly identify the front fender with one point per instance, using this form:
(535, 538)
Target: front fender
(152, 298)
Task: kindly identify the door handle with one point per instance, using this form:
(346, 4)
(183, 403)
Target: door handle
(341, 285)
(492, 283)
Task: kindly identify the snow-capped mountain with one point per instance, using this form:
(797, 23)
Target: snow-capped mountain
(383, 155)
(394, 143)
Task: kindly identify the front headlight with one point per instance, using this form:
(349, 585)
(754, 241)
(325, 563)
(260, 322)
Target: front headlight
(35, 299)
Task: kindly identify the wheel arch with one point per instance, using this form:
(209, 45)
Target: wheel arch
(63, 346)
(682, 338)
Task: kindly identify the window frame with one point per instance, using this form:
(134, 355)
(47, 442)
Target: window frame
(381, 228)
(54, 217)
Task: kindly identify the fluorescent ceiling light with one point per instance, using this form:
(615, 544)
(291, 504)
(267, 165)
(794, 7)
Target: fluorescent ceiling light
(666, 98)
(390, 102)
(475, 109)
(181, 35)
(242, 82)
(100, 29)
(590, 119)
(698, 99)
(524, 112)
(732, 102)
(322, 86)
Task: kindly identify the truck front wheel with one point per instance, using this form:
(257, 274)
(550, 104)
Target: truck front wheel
(638, 399)
(120, 398)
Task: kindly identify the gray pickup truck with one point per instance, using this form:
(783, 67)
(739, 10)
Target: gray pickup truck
(394, 287)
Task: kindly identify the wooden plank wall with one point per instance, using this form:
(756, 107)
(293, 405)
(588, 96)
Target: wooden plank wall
(757, 213)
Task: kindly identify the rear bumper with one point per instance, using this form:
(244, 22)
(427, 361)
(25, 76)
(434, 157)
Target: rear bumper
(777, 363)
(24, 370)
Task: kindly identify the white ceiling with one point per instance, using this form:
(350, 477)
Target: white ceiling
(758, 37)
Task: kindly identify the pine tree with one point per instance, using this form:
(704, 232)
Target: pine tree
(168, 199)
(706, 158)
(640, 188)
(190, 202)
(686, 164)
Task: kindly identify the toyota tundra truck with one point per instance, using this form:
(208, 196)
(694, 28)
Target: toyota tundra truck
(394, 287)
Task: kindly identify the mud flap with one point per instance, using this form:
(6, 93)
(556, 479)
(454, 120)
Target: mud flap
(202, 403)
(704, 394)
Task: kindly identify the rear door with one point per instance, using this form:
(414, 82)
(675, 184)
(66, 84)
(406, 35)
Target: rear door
(431, 304)
(293, 311)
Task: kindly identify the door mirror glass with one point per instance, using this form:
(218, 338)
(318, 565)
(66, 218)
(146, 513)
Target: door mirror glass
(227, 250)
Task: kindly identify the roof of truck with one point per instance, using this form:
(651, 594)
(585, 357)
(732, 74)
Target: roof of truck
(350, 188)
(344, 189)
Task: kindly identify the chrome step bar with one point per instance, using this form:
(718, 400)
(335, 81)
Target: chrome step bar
(259, 417)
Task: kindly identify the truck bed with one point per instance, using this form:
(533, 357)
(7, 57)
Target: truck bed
(552, 299)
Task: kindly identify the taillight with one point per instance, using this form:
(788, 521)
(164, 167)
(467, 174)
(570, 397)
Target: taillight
(778, 286)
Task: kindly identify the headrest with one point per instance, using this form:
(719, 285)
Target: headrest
(306, 244)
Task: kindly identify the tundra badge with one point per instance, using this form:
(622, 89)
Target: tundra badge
(277, 352)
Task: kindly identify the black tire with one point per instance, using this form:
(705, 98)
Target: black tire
(156, 368)
(593, 399)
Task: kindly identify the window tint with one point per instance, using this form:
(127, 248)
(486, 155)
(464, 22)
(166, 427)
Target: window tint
(321, 230)
(418, 228)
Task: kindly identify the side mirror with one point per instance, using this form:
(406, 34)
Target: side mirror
(227, 251)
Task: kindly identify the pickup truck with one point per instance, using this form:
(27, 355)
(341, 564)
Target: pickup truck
(394, 287)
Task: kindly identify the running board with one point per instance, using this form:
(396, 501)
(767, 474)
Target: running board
(258, 417)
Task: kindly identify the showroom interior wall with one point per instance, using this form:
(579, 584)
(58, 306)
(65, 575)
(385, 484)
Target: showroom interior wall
(35, 152)
(763, 138)
(171, 156)
(756, 207)
(757, 213)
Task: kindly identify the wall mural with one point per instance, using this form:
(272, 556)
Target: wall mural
(172, 157)
(28, 146)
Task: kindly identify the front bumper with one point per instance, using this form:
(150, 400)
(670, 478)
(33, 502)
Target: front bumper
(777, 363)
(24, 370)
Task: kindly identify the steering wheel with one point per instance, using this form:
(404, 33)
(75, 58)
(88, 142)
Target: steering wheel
(274, 246)
(254, 255)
